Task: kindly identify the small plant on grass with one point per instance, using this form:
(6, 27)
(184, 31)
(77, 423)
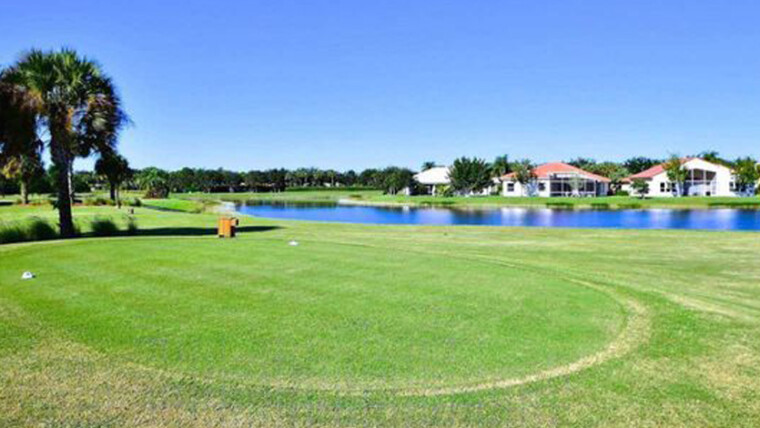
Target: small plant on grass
(104, 227)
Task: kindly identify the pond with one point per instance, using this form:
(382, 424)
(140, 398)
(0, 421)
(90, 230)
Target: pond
(707, 219)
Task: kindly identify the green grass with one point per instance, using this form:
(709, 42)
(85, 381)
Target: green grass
(378, 325)
(376, 197)
(174, 204)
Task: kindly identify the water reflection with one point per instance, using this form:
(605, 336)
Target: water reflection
(714, 219)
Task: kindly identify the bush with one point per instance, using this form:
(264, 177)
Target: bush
(36, 229)
(40, 230)
(98, 201)
(622, 193)
(133, 202)
(104, 227)
(131, 226)
(735, 204)
(10, 233)
(629, 206)
(444, 190)
(600, 205)
(560, 205)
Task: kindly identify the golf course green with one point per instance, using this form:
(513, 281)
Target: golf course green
(298, 323)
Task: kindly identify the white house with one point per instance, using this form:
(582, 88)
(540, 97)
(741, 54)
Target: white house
(433, 177)
(438, 176)
(557, 179)
(703, 179)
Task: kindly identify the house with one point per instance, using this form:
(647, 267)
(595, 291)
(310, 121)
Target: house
(435, 178)
(704, 179)
(557, 179)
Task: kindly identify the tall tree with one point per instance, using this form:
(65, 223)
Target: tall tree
(583, 163)
(747, 173)
(714, 157)
(427, 165)
(676, 173)
(396, 179)
(78, 105)
(154, 181)
(23, 168)
(115, 169)
(500, 166)
(524, 175)
(469, 175)
(637, 164)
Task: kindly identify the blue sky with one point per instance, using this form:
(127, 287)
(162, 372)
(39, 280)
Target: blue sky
(353, 84)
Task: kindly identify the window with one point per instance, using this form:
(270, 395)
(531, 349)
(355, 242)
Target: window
(510, 187)
(732, 186)
(541, 187)
(663, 186)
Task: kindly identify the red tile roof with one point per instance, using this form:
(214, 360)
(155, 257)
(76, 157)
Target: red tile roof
(655, 170)
(548, 169)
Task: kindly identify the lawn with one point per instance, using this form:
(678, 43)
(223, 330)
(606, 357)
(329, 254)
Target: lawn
(378, 325)
(376, 197)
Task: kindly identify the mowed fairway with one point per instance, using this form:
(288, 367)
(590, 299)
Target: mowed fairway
(376, 325)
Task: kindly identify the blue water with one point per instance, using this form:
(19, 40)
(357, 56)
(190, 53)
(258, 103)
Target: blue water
(712, 219)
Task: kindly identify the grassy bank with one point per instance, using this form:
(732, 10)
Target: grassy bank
(376, 197)
(378, 325)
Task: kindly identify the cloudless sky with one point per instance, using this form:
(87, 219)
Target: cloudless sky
(354, 84)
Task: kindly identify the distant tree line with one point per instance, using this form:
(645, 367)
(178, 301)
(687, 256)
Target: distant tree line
(468, 175)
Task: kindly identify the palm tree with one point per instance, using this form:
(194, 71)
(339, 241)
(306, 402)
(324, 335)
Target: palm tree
(78, 106)
(427, 165)
(500, 166)
(115, 169)
(676, 173)
(524, 175)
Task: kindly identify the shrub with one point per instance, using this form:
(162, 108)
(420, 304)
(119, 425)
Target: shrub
(10, 233)
(622, 193)
(41, 202)
(133, 202)
(629, 206)
(98, 201)
(600, 205)
(560, 205)
(131, 226)
(445, 191)
(735, 204)
(104, 227)
(40, 230)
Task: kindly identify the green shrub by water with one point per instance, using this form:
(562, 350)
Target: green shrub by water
(629, 206)
(560, 205)
(600, 205)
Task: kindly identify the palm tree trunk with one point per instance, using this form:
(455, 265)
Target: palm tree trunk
(24, 189)
(63, 179)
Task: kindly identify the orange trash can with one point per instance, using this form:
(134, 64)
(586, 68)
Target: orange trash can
(227, 226)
